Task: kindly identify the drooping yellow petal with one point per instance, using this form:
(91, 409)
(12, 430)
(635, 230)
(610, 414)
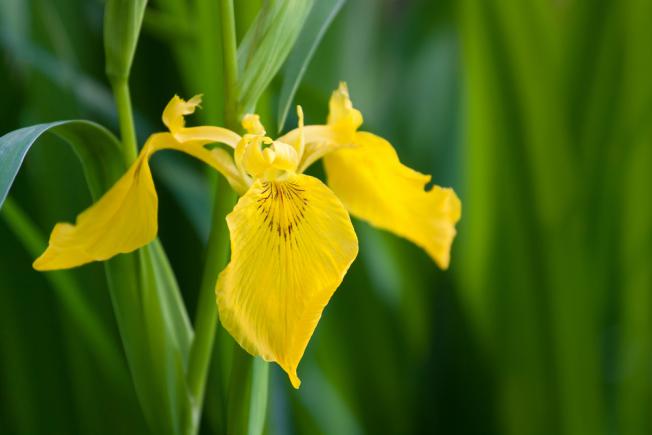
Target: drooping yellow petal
(125, 217)
(374, 186)
(123, 220)
(291, 244)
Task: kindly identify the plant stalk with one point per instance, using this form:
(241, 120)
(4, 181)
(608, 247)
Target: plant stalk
(218, 240)
(206, 318)
(230, 54)
(125, 114)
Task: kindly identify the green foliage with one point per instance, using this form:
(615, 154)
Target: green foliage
(320, 18)
(266, 46)
(92, 142)
(545, 143)
(122, 21)
(143, 289)
(537, 113)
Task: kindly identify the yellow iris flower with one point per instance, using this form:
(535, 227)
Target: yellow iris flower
(292, 240)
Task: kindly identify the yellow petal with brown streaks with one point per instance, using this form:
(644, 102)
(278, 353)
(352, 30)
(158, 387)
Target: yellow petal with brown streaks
(291, 244)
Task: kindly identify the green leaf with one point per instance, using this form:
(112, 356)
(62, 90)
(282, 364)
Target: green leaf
(122, 22)
(266, 46)
(98, 145)
(318, 22)
(177, 320)
(138, 293)
(88, 91)
(150, 313)
(169, 335)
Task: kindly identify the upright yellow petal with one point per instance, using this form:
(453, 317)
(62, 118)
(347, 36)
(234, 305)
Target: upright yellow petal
(341, 113)
(252, 124)
(374, 186)
(291, 244)
(173, 118)
(315, 141)
(176, 109)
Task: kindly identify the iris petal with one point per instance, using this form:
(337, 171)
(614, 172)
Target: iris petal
(374, 186)
(315, 141)
(125, 217)
(173, 118)
(123, 220)
(176, 109)
(319, 140)
(208, 134)
(292, 242)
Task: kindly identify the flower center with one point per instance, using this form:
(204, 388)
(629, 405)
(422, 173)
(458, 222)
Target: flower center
(258, 156)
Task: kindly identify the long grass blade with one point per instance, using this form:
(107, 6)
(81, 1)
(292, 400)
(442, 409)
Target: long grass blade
(319, 20)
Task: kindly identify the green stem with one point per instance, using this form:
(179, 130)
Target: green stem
(237, 391)
(258, 400)
(206, 318)
(126, 118)
(218, 241)
(258, 373)
(230, 64)
(216, 259)
(69, 294)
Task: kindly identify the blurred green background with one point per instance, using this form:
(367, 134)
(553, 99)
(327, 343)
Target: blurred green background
(538, 113)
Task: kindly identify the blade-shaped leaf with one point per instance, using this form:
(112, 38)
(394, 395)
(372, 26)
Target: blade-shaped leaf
(122, 22)
(150, 313)
(97, 164)
(266, 46)
(320, 18)
(167, 287)
(166, 328)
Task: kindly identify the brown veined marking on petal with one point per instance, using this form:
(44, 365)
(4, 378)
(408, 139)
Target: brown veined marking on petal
(273, 292)
(282, 204)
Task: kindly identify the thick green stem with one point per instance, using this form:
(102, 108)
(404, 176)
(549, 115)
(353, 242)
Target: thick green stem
(206, 319)
(247, 391)
(218, 241)
(258, 400)
(230, 64)
(244, 374)
(126, 118)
